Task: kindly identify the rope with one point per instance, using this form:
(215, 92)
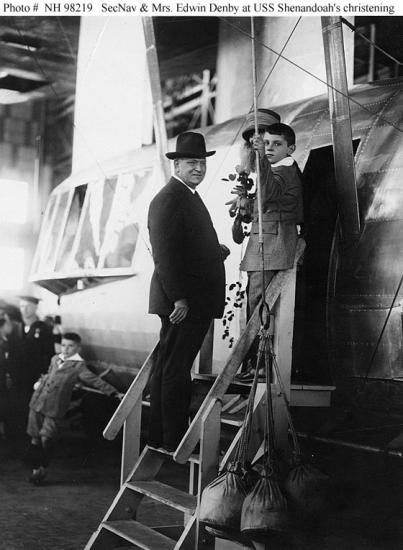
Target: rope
(297, 448)
(242, 448)
(257, 162)
(269, 422)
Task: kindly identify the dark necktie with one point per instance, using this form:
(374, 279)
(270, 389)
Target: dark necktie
(199, 200)
(198, 197)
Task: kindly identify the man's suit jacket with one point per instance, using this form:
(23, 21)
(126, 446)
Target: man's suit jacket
(186, 252)
(32, 352)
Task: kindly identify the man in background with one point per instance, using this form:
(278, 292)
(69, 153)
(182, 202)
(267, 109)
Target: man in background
(31, 345)
(37, 343)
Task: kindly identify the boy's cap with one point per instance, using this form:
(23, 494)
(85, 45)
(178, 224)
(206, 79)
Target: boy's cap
(31, 299)
(265, 118)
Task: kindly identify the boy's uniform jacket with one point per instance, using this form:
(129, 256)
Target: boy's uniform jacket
(52, 397)
(282, 211)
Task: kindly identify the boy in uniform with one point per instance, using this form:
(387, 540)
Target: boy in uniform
(51, 399)
(281, 193)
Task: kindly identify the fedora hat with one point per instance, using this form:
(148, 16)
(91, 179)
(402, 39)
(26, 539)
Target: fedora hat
(265, 118)
(190, 145)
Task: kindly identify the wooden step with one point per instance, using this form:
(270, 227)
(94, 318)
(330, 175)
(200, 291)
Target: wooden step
(140, 535)
(193, 458)
(233, 420)
(165, 494)
(301, 395)
(241, 388)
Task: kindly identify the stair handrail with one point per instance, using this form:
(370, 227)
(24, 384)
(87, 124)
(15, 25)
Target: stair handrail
(131, 397)
(224, 379)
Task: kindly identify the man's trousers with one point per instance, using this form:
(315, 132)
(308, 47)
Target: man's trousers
(171, 381)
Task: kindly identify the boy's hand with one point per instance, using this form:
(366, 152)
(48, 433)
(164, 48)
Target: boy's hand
(258, 145)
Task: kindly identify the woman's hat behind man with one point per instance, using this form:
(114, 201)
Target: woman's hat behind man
(265, 118)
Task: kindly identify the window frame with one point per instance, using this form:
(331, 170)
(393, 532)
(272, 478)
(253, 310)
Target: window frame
(104, 272)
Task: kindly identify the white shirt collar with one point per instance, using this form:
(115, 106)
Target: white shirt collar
(75, 357)
(187, 186)
(286, 161)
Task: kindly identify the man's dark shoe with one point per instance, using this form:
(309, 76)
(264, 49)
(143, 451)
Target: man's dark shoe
(38, 475)
(240, 377)
(247, 377)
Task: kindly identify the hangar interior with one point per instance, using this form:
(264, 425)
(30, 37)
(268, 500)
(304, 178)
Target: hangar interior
(71, 95)
(38, 98)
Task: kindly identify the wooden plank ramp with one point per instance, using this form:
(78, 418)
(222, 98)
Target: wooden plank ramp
(142, 536)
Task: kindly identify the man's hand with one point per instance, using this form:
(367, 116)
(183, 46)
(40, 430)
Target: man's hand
(180, 311)
(225, 251)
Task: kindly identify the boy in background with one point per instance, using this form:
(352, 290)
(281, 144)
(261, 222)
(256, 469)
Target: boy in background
(51, 399)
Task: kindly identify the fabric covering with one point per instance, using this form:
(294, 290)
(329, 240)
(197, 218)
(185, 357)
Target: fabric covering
(264, 509)
(307, 489)
(221, 502)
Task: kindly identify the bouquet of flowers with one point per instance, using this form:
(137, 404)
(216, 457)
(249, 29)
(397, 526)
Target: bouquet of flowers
(241, 207)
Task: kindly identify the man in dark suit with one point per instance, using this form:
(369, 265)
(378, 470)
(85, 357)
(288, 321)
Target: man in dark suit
(37, 343)
(187, 288)
(31, 349)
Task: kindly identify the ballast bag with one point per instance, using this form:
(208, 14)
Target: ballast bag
(264, 509)
(221, 502)
(307, 489)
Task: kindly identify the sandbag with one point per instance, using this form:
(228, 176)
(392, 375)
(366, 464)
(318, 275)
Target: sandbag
(264, 509)
(307, 489)
(221, 501)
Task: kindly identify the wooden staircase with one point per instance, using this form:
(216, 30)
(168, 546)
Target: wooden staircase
(119, 528)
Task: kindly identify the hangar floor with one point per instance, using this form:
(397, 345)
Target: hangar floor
(63, 512)
(367, 512)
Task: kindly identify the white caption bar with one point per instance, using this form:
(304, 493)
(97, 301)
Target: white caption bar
(220, 8)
